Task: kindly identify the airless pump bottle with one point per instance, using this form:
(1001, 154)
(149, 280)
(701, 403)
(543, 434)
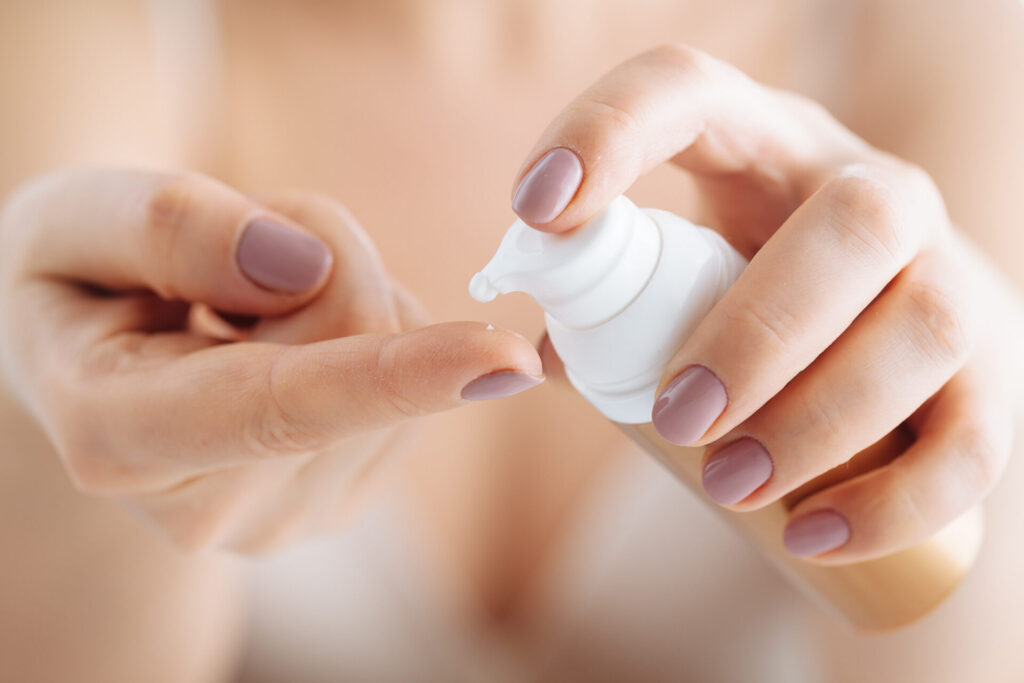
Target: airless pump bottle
(621, 294)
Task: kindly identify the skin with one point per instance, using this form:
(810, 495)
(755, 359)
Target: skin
(243, 446)
(856, 267)
(458, 493)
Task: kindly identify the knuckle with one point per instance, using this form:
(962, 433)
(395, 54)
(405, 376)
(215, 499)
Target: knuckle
(805, 109)
(768, 324)
(920, 192)
(620, 108)
(940, 327)
(276, 429)
(169, 204)
(683, 57)
(918, 185)
(276, 433)
(84, 448)
(392, 383)
(93, 469)
(825, 422)
(276, 436)
(902, 511)
(980, 458)
(20, 213)
(167, 211)
(618, 116)
(866, 215)
(107, 357)
(697, 66)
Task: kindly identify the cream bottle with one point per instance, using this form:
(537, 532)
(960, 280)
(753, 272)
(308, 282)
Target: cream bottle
(621, 294)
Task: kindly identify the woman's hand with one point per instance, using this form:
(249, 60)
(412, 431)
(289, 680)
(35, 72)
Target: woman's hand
(863, 308)
(241, 437)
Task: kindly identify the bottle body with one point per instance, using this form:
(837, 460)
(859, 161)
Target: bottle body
(617, 364)
(878, 594)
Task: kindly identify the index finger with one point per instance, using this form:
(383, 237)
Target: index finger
(804, 287)
(677, 103)
(182, 236)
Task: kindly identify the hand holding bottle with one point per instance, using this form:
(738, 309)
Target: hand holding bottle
(863, 308)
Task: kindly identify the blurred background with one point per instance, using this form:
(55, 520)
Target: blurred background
(522, 541)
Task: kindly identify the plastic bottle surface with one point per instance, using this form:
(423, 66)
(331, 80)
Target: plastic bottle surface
(621, 294)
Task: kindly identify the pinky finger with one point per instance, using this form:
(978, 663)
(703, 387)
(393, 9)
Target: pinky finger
(963, 443)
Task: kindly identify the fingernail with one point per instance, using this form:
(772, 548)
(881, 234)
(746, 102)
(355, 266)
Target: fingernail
(689, 406)
(736, 471)
(548, 188)
(281, 258)
(498, 385)
(816, 533)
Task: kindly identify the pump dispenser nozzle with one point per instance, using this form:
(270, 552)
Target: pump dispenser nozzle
(481, 289)
(581, 278)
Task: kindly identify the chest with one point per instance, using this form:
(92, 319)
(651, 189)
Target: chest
(419, 127)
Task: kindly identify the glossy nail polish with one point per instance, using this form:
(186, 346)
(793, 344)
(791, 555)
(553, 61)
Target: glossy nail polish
(816, 533)
(550, 185)
(689, 405)
(498, 385)
(281, 258)
(736, 471)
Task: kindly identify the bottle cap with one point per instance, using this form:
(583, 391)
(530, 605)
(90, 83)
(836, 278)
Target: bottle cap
(581, 278)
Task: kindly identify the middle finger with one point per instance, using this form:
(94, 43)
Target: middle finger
(918, 330)
(804, 287)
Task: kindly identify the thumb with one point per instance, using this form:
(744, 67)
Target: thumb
(182, 236)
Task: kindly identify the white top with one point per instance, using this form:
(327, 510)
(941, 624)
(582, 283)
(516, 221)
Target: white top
(650, 586)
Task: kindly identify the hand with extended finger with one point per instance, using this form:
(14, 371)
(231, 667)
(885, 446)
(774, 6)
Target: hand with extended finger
(239, 437)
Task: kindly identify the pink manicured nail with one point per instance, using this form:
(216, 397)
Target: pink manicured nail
(498, 385)
(548, 188)
(816, 532)
(689, 406)
(736, 471)
(281, 258)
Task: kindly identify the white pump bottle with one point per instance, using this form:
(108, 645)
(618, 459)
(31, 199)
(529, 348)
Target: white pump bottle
(621, 294)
